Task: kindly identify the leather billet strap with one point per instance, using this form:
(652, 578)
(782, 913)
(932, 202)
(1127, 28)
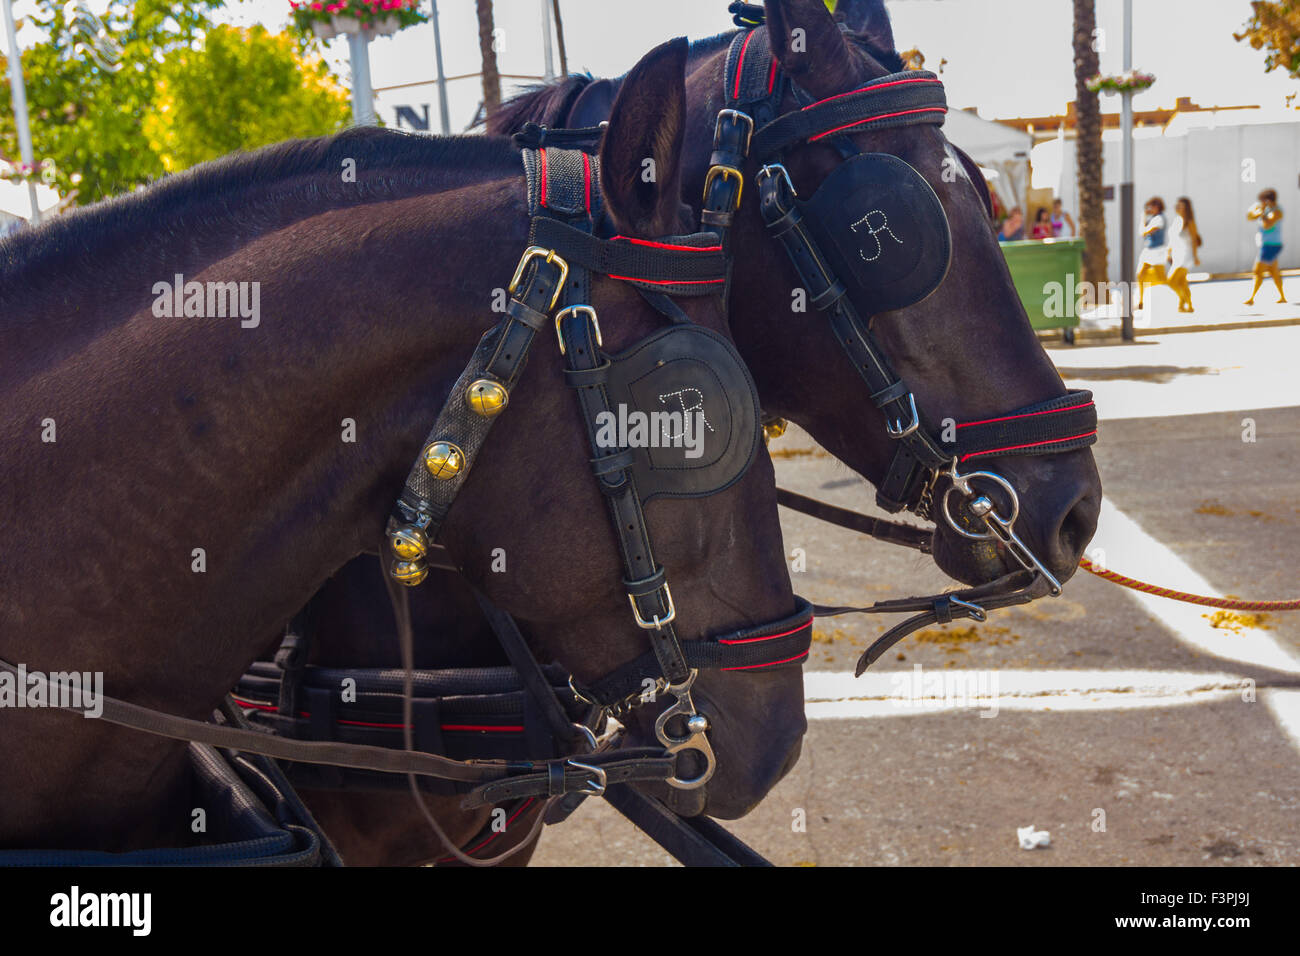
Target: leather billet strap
(759, 647)
(645, 580)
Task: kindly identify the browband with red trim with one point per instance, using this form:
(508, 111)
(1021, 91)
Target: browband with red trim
(900, 99)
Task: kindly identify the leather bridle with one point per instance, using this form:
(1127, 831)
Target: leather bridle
(752, 126)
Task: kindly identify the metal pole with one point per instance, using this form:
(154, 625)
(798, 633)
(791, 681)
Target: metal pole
(443, 112)
(18, 95)
(363, 97)
(547, 52)
(1126, 180)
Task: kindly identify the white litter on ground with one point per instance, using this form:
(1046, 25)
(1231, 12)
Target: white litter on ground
(1031, 839)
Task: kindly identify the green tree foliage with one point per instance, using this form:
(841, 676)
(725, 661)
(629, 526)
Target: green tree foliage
(243, 89)
(1275, 27)
(92, 121)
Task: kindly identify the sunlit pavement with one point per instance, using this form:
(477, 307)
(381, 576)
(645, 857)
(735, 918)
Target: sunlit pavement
(1133, 730)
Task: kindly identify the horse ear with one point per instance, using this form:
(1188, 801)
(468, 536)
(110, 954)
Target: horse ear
(868, 19)
(640, 157)
(810, 48)
(593, 105)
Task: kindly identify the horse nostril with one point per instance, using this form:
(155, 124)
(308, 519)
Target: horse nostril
(1074, 532)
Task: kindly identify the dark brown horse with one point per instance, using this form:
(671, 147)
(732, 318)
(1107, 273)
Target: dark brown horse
(967, 351)
(207, 471)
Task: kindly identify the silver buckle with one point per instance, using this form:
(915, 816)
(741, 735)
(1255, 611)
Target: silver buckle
(576, 310)
(896, 429)
(595, 787)
(656, 622)
(770, 170)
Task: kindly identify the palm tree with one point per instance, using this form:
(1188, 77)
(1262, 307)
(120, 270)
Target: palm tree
(491, 75)
(1087, 110)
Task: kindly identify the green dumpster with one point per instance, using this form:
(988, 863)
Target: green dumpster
(1047, 275)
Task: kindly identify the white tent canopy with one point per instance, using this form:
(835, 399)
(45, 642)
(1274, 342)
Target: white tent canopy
(996, 147)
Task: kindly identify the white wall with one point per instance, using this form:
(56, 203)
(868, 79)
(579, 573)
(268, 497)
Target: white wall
(1206, 165)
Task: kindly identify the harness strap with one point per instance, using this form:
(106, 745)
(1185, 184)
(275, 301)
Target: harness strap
(900, 99)
(645, 581)
(761, 647)
(678, 265)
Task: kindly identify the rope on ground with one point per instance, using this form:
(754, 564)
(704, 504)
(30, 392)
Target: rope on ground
(1230, 604)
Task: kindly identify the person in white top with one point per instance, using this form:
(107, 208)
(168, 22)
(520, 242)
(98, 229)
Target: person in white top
(1184, 245)
(1151, 263)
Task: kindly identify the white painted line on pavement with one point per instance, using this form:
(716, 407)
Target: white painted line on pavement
(857, 709)
(883, 685)
(1285, 705)
(838, 695)
(1130, 550)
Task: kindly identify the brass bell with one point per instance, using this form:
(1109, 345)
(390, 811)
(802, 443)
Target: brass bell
(408, 543)
(774, 428)
(444, 460)
(410, 573)
(486, 397)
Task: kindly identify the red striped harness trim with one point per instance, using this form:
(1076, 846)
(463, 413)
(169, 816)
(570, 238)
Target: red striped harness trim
(872, 87)
(543, 185)
(666, 245)
(740, 64)
(881, 116)
(1032, 444)
(1008, 418)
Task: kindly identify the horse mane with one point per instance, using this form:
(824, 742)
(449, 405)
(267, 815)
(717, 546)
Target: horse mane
(543, 103)
(237, 189)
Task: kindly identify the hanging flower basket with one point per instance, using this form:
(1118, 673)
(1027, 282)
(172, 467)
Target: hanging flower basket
(329, 19)
(42, 170)
(1134, 81)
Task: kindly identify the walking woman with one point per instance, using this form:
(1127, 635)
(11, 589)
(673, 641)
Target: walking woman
(1183, 252)
(1269, 240)
(1151, 263)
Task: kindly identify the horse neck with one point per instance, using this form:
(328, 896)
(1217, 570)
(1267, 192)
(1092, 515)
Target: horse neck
(275, 448)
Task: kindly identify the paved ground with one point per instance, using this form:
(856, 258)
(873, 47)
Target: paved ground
(1176, 731)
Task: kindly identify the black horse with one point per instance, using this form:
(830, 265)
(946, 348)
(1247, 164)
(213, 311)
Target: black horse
(215, 466)
(967, 351)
